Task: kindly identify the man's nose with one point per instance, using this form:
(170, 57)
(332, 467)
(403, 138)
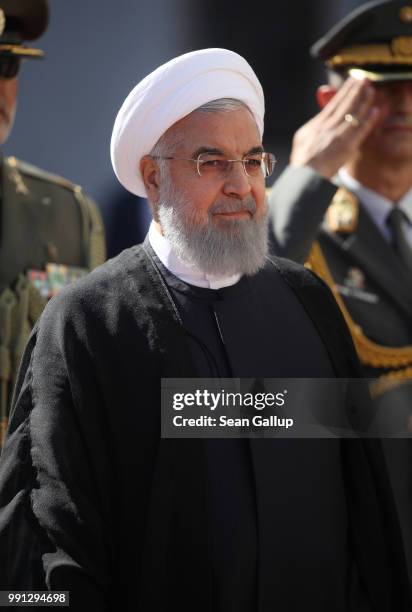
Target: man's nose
(237, 183)
(401, 94)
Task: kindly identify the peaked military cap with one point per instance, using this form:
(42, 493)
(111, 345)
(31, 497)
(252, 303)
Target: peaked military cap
(374, 41)
(22, 20)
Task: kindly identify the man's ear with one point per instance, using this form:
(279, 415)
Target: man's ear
(325, 94)
(150, 175)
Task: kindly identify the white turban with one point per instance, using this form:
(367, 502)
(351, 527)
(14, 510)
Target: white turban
(171, 92)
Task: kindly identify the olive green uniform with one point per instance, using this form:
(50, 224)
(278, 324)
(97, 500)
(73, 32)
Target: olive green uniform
(43, 219)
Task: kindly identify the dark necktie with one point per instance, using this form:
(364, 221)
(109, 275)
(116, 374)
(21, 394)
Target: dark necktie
(397, 221)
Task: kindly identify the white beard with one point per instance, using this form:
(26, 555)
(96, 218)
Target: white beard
(232, 246)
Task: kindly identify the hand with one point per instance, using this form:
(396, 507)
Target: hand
(328, 141)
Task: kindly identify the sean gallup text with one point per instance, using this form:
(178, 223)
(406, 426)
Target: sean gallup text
(224, 421)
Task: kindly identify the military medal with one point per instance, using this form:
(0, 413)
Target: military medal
(50, 281)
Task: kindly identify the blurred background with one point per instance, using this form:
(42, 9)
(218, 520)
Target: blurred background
(97, 50)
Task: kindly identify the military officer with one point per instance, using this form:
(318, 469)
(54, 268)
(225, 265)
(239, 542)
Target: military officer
(344, 205)
(50, 231)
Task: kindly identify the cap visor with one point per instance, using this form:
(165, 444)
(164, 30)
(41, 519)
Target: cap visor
(26, 52)
(359, 73)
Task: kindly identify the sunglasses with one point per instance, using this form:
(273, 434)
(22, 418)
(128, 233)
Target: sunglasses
(9, 66)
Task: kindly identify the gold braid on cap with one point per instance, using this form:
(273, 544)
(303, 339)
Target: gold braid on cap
(397, 52)
(2, 21)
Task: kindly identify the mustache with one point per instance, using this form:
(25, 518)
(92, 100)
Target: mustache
(234, 206)
(398, 120)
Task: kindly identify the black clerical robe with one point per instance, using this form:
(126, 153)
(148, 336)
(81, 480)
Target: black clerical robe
(94, 502)
(235, 332)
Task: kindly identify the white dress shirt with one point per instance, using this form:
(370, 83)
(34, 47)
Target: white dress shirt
(379, 207)
(186, 272)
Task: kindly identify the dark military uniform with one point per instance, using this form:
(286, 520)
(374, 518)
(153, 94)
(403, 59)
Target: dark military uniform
(323, 224)
(50, 232)
(316, 222)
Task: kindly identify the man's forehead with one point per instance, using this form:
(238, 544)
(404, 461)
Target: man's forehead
(218, 131)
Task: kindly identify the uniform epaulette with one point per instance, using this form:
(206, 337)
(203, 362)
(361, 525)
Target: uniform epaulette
(38, 173)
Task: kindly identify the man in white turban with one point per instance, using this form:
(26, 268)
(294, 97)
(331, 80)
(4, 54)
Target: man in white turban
(93, 500)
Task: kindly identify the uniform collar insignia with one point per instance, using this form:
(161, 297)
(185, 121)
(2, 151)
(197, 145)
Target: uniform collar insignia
(16, 178)
(343, 212)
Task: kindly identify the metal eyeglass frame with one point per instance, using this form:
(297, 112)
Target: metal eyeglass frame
(198, 162)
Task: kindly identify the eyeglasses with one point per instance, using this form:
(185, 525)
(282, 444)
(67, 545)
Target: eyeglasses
(9, 66)
(219, 167)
